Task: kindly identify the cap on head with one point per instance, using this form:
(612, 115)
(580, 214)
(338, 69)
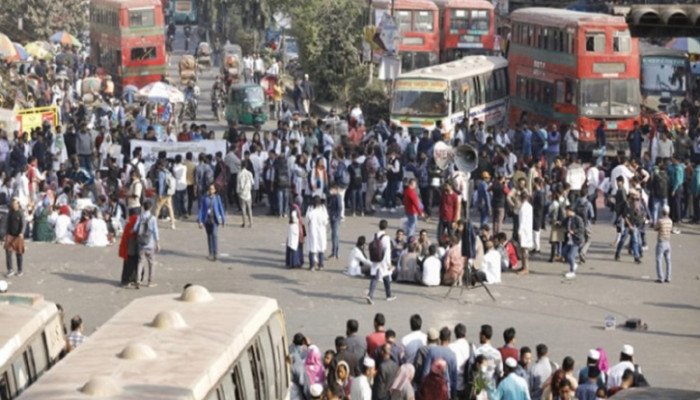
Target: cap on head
(594, 354)
(433, 334)
(511, 363)
(316, 390)
(628, 350)
(368, 362)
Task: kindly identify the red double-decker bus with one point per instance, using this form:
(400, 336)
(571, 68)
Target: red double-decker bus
(418, 25)
(128, 40)
(576, 68)
(467, 28)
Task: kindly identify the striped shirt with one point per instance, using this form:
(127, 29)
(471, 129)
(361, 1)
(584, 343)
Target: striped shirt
(664, 227)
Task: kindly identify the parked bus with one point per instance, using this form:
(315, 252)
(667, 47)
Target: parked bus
(575, 68)
(664, 77)
(467, 28)
(418, 26)
(194, 346)
(128, 40)
(473, 87)
(31, 341)
(183, 11)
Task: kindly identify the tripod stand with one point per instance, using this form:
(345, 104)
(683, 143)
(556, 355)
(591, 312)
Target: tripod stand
(465, 280)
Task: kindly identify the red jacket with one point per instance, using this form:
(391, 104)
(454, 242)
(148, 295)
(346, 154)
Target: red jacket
(411, 203)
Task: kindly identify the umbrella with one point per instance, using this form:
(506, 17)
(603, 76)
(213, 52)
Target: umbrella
(689, 45)
(7, 49)
(39, 50)
(159, 92)
(65, 38)
(21, 52)
(130, 89)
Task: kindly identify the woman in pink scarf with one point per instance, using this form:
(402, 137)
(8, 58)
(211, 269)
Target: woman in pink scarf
(313, 368)
(603, 365)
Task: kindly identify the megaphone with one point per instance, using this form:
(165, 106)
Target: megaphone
(464, 156)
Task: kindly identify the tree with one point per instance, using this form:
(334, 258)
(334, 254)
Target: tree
(42, 18)
(329, 33)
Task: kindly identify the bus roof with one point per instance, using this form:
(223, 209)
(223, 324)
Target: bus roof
(21, 315)
(467, 66)
(461, 4)
(559, 17)
(654, 393)
(406, 4)
(159, 347)
(126, 3)
(648, 49)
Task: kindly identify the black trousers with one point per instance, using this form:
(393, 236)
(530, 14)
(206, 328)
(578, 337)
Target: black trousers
(190, 198)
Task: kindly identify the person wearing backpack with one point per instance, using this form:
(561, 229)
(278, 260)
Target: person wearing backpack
(659, 191)
(211, 216)
(146, 230)
(341, 177)
(355, 187)
(380, 256)
(166, 190)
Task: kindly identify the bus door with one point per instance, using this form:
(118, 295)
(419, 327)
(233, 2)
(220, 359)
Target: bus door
(565, 97)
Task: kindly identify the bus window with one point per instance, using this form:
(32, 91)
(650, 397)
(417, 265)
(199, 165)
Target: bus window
(455, 101)
(561, 92)
(141, 18)
(403, 19)
(570, 96)
(547, 93)
(19, 367)
(4, 387)
(246, 377)
(41, 359)
(277, 336)
(226, 390)
(269, 362)
(521, 88)
(595, 42)
(544, 38)
(459, 20)
(424, 21)
(143, 53)
(502, 83)
(622, 42)
(490, 89)
(479, 20)
(238, 392)
(531, 35)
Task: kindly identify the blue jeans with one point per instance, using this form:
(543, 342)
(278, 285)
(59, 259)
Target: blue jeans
(212, 230)
(411, 225)
(315, 258)
(483, 216)
(571, 254)
(634, 242)
(356, 200)
(283, 201)
(335, 238)
(663, 252)
(85, 162)
(180, 202)
(375, 280)
(656, 205)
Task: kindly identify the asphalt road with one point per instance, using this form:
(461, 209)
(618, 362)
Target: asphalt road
(543, 307)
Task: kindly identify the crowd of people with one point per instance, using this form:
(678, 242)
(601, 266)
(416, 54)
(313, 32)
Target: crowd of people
(442, 364)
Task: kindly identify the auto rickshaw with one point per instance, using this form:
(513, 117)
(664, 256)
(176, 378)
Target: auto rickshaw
(188, 69)
(231, 69)
(203, 55)
(246, 104)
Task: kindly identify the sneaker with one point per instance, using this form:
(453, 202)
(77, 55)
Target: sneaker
(383, 209)
(675, 231)
(645, 248)
(151, 284)
(20, 273)
(392, 210)
(369, 300)
(659, 281)
(570, 275)
(667, 281)
(11, 273)
(392, 298)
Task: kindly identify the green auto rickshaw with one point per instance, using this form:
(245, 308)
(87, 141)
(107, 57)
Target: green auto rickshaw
(247, 104)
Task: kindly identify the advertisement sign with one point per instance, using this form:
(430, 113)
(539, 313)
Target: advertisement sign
(150, 150)
(426, 85)
(30, 118)
(664, 74)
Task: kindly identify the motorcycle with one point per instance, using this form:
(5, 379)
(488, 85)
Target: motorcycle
(218, 106)
(190, 109)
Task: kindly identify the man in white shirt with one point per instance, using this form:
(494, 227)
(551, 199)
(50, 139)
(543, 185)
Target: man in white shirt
(180, 174)
(494, 362)
(462, 350)
(414, 340)
(381, 269)
(616, 371)
(361, 388)
(431, 268)
(624, 171)
(258, 68)
(491, 264)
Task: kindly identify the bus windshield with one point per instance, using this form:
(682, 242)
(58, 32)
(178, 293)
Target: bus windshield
(416, 102)
(664, 74)
(606, 97)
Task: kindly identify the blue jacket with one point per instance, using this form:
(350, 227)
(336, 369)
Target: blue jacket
(207, 203)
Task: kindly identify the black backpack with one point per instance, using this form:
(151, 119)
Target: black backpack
(581, 209)
(356, 174)
(660, 184)
(376, 249)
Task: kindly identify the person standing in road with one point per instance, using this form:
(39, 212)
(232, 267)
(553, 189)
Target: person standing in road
(211, 216)
(190, 174)
(244, 188)
(571, 138)
(146, 230)
(14, 238)
(84, 148)
(414, 209)
(316, 222)
(663, 246)
(334, 214)
(166, 189)
(525, 232)
(180, 174)
(307, 94)
(575, 231)
(381, 266)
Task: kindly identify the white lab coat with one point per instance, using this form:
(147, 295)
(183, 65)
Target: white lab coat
(316, 223)
(525, 226)
(293, 231)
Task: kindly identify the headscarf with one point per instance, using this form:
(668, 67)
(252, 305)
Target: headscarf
(314, 366)
(347, 376)
(404, 377)
(603, 365)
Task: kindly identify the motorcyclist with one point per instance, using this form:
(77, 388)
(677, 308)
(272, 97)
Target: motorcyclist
(218, 90)
(191, 94)
(188, 33)
(170, 36)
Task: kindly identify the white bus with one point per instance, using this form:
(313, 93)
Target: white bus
(474, 86)
(31, 341)
(195, 346)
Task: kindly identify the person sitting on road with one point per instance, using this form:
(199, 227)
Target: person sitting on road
(431, 268)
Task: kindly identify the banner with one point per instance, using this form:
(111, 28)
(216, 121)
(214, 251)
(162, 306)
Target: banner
(30, 118)
(150, 150)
